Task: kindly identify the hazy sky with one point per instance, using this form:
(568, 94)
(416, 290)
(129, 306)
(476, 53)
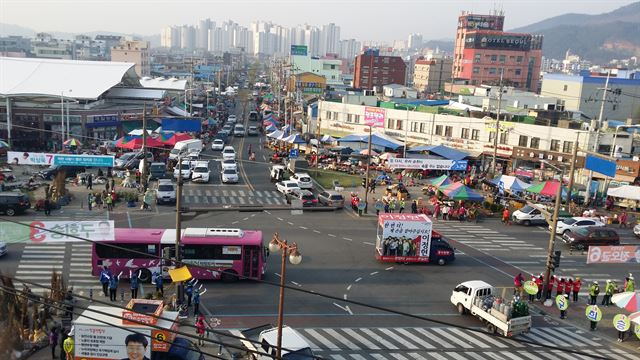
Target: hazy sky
(361, 19)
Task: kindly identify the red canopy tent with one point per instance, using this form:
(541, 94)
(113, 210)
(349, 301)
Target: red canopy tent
(136, 142)
(172, 139)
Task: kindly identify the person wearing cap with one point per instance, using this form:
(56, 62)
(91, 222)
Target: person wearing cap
(569, 286)
(563, 313)
(68, 345)
(576, 288)
(630, 284)
(609, 289)
(532, 297)
(594, 324)
(594, 290)
(560, 287)
(539, 280)
(552, 280)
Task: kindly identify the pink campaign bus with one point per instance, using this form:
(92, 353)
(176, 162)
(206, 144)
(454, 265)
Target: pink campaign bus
(224, 252)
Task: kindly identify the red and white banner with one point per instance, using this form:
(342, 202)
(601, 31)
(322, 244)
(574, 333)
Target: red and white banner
(613, 255)
(374, 116)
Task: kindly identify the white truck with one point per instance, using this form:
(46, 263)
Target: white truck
(294, 346)
(185, 147)
(477, 298)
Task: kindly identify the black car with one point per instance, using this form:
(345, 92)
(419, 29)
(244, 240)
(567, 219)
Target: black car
(306, 196)
(12, 203)
(70, 171)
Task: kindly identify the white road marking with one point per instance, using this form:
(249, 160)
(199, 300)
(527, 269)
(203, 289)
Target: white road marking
(349, 287)
(331, 235)
(368, 243)
(303, 227)
(358, 279)
(389, 268)
(316, 231)
(373, 273)
(348, 239)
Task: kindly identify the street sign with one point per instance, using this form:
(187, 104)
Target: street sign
(294, 153)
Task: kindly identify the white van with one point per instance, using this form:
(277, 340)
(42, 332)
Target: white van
(238, 130)
(529, 215)
(185, 146)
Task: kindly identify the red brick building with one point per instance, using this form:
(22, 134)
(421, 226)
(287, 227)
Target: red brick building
(483, 51)
(371, 70)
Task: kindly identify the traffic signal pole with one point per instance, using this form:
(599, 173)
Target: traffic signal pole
(552, 237)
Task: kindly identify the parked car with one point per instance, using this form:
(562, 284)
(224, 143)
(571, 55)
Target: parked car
(166, 192)
(582, 238)
(229, 164)
(253, 131)
(13, 203)
(303, 180)
(575, 223)
(3, 248)
(120, 162)
(158, 170)
(70, 171)
(201, 172)
(217, 145)
(331, 198)
(306, 196)
(287, 186)
(230, 176)
(184, 170)
(228, 153)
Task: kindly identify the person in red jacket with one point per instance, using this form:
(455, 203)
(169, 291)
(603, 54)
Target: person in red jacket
(561, 286)
(576, 288)
(539, 280)
(552, 282)
(569, 287)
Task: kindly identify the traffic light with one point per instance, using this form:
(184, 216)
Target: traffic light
(556, 259)
(364, 182)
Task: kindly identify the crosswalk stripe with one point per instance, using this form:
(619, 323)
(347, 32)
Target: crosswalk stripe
(368, 344)
(451, 338)
(571, 335)
(409, 335)
(457, 356)
(382, 341)
(492, 340)
(357, 357)
(242, 200)
(31, 266)
(437, 339)
(241, 193)
(399, 339)
(416, 356)
(437, 356)
(326, 343)
(468, 338)
(340, 338)
(399, 356)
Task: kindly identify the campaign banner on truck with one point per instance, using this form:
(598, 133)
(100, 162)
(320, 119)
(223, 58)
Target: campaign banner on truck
(427, 164)
(48, 159)
(374, 116)
(57, 231)
(101, 342)
(627, 254)
(404, 236)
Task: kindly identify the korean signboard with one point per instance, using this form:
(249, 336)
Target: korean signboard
(31, 158)
(628, 254)
(427, 164)
(102, 342)
(57, 231)
(509, 42)
(404, 237)
(299, 50)
(481, 22)
(374, 116)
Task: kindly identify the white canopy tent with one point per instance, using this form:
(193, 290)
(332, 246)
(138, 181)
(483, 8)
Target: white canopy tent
(625, 192)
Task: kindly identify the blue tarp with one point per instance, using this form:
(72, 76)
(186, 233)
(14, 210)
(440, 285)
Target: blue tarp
(441, 150)
(182, 125)
(376, 140)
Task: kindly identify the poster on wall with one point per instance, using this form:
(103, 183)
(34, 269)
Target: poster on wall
(98, 342)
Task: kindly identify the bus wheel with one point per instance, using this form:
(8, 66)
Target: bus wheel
(145, 276)
(229, 276)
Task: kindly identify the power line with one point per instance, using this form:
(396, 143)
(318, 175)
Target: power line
(327, 296)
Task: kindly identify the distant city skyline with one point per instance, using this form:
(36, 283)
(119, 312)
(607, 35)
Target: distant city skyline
(365, 20)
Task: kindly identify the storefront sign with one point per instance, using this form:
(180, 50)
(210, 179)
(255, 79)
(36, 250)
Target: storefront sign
(481, 22)
(98, 342)
(427, 164)
(614, 254)
(509, 42)
(57, 231)
(32, 158)
(374, 116)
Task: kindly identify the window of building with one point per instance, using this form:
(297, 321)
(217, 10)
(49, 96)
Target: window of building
(438, 129)
(476, 58)
(476, 70)
(335, 115)
(512, 58)
(535, 143)
(448, 131)
(492, 71)
(494, 58)
(518, 71)
(504, 138)
(464, 133)
(492, 136)
(414, 126)
(356, 119)
(328, 116)
(567, 146)
(422, 128)
(390, 123)
(523, 140)
(564, 88)
(348, 118)
(399, 124)
(519, 59)
(475, 134)
(503, 58)
(555, 145)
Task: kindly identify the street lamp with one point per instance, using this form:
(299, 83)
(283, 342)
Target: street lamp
(552, 233)
(615, 136)
(295, 258)
(406, 130)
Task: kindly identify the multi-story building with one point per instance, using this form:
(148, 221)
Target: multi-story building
(329, 39)
(106, 42)
(329, 68)
(46, 46)
(202, 33)
(414, 42)
(15, 46)
(430, 75)
(349, 49)
(134, 52)
(584, 93)
(170, 37)
(373, 70)
(484, 53)
(188, 37)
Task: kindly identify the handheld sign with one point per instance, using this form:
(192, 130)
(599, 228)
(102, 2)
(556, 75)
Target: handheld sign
(362, 205)
(294, 153)
(621, 322)
(530, 287)
(379, 206)
(636, 330)
(593, 313)
(562, 302)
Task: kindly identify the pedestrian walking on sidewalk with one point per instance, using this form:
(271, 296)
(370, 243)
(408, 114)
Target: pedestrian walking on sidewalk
(505, 216)
(68, 346)
(576, 288)
(90, 181)
(189, 292)
(89, 201)
(157, 280)
(53, 341)
(594, 290)
(200, 330)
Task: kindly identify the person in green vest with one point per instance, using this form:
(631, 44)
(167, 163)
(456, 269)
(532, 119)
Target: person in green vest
(609, 289)
(594, 290)
(68, 345)
(630, 284)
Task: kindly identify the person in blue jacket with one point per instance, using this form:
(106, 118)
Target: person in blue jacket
(113, 287)
(157, 279)
(105, 275)
(196, 300)
(134, 282)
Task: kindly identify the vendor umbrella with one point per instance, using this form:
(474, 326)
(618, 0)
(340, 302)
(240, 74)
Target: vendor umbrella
(446, 189)
(72, 142)
(440, 181)
(547, 188)
(635, 318)
(464, 193)
(366, 152)
(629, 300)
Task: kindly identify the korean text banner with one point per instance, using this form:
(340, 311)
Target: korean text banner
(613, 255)
(102, 342)
(32, 158)
(374, 116)
(427, 164)
(406, 238)
(56, 231)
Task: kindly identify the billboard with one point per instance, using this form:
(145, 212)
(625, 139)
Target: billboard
(299, 50)
(600, 165)
(48, 159)
(54, 231)
(498, 42)
(404, 237)
(102, 342)
(627, 254)
(427, 164)
(481, 22)
(374, 116)
(182, 125)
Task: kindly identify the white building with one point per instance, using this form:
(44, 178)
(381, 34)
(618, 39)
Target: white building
(202, 34)
(399, 91)
(170, 37)
(329, 68)
(188, 37)
(349, 49)
(329, 39)
(414, 42)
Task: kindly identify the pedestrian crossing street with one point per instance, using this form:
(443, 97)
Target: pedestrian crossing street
(214, 196)
(38, 261)
(449, 343)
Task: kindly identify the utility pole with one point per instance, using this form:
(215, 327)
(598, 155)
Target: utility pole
(366, 181)
(552, 237)
(179, 285)
(143, 175)
(495, 138)
(599, 125)
(572, 169)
